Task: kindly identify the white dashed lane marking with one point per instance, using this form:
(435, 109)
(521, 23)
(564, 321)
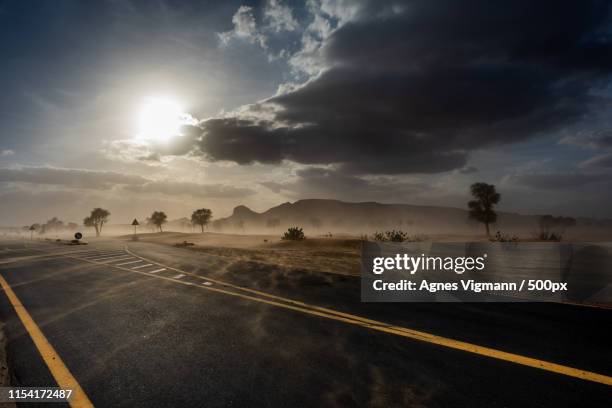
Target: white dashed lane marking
(158, 270)
(128, 263)
(142, 266)
(108, 261)
(99, 256)
(179, 276)
(108, 257)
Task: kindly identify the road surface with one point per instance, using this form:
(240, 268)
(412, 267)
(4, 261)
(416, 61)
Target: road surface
(144, 325)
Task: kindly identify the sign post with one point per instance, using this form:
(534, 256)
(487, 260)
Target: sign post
(135, 224)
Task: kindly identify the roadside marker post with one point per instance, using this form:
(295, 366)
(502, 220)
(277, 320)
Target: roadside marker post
(135, 224)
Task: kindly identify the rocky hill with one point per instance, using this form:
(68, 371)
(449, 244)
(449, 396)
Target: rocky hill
(321, 216)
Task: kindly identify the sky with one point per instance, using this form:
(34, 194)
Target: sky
(138, 106)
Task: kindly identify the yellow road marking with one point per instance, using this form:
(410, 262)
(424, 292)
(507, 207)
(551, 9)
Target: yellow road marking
(441, 341)
(391, 329)
(374, 325)
(57, 367)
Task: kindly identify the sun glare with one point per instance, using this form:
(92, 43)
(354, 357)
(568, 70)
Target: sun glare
(160, 119)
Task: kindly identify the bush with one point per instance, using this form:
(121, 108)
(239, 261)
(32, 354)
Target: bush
(549, 236)
(294, 234)
(379, 236)
(499, 237)
(397, 236)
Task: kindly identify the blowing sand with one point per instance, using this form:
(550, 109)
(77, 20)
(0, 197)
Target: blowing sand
(334, 255)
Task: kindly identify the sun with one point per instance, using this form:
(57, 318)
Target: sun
(160, 119)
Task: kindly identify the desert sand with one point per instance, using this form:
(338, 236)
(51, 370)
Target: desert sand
(332, 255)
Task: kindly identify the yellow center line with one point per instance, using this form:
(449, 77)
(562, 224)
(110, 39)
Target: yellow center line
(58, 369)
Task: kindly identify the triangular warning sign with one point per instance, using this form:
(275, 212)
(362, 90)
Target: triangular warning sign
(135, 222)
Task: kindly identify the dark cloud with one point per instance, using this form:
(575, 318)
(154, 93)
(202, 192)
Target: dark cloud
(599, 139)
(468, 170)
(317, 182)
(560, 181)
(179, 145)
(416, 91)
(601, 161)
(243, 141)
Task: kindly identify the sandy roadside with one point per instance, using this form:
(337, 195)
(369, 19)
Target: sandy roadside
(331, 255)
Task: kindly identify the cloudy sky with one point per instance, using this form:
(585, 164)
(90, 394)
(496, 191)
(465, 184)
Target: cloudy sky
(174, 105)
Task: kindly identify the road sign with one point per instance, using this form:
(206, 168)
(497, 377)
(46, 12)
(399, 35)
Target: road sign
(135, 222)
(78, 235)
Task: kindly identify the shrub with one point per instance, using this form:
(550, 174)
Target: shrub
(379, 236)
(499, 237)
(549, 236)
(294, 234)
(397, 236)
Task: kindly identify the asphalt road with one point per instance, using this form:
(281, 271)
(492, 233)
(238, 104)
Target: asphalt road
(135, 332)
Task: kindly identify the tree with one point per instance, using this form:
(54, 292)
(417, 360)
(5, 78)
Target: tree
(158, 218)
(54, 224)
(482, 208)
(201, 217)
(97, 219)
(32, 228)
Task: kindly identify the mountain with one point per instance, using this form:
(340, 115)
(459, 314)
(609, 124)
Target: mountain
(319, 215)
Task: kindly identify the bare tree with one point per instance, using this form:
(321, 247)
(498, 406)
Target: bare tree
(482, 208)
(97, 219)
(54, 224)
(158, 218)
(201, 217)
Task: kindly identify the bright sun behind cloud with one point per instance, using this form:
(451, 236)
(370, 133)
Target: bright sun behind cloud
(160, 119)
